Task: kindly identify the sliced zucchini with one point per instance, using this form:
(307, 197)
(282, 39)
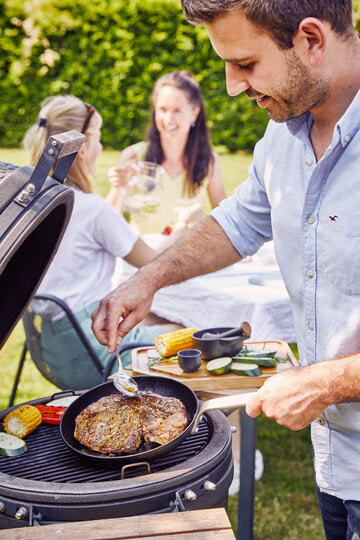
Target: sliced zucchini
(256, 354)
(250, 370)
(11, 445)
(62, 402)
(280, 359)
(260, 361)
(219, 365)
(265, 354)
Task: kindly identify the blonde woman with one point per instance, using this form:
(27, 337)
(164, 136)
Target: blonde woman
(82, 269)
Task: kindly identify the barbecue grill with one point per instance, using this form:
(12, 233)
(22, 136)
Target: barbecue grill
(50, 483)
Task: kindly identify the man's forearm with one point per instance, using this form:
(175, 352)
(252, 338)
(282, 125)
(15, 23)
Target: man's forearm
(295, 397)
(205, 250)
(202, 251)
(341, 379)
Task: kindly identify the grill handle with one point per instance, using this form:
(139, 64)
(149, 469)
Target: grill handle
(226, 402)
(64, 147)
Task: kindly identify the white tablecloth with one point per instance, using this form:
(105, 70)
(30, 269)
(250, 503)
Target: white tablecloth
(250, 290)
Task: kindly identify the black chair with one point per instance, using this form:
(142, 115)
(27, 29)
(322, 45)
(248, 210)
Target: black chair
(44, 312)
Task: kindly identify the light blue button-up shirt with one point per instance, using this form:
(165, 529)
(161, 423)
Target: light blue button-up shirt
(312, 211)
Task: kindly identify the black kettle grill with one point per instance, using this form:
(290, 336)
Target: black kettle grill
(50, 483)
(34, 212)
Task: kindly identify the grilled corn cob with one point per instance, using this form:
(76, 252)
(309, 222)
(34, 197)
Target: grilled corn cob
(172, 342)
(22, 421)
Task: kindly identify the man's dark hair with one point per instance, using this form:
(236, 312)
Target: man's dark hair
(280, 18)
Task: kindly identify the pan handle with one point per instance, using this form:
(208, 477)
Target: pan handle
(226, 402)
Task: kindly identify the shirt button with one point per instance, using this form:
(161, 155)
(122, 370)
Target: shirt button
(310, 325)
(320, 421)
(347, 138)
(308, 161)
(309, 273)
(310, 219)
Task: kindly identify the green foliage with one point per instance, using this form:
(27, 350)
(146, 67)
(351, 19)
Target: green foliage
(109, 53)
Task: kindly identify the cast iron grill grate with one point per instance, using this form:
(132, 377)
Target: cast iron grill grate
(48, 459)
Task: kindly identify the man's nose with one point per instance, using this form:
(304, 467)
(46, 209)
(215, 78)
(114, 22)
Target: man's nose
(235, 80)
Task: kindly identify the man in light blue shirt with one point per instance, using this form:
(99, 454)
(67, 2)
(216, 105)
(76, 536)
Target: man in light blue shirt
(300, 60)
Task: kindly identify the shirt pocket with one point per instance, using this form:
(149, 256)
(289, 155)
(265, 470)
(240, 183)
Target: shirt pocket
(339, 249)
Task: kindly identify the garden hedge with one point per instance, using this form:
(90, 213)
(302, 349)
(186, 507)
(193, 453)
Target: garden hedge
(109, 53)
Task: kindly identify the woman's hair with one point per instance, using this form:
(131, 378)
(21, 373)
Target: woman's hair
(280, 18)
(198, 155)
(59, 114)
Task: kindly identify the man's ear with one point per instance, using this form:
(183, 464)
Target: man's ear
(311, 39)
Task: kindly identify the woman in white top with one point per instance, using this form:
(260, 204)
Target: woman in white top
(177, 139)
(82, 269)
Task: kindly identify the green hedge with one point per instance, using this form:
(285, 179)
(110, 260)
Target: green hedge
(109, 53)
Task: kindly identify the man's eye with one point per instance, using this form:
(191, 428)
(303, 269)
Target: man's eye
(246, 66)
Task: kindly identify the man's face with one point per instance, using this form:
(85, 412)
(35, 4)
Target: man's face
(277, 79)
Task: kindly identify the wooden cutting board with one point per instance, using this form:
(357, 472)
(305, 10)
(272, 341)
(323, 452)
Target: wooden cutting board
(202, 380)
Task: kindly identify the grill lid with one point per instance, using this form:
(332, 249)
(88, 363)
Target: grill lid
(34, 212)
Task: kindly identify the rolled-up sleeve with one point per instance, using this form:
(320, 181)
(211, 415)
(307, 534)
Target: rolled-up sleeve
(246, 215)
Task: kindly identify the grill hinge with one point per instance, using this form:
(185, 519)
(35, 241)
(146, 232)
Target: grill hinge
(27, 511)
(177, 505)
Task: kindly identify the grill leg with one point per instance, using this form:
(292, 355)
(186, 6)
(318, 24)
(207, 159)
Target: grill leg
(18, 374)
(248, 428)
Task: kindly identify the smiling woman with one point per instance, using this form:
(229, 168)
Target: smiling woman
(177, 139)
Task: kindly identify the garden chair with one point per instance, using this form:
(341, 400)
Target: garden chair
(61, 370)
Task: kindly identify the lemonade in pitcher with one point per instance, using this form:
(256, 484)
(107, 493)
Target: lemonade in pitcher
(144, 193)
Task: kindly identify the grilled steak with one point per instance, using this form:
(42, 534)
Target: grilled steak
(118, 423)
(162, 418)
(109, 425)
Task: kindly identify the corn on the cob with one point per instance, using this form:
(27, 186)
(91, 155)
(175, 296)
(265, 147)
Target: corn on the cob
(22, 421)
(172, 342)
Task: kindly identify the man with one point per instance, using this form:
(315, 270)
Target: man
(300, 60)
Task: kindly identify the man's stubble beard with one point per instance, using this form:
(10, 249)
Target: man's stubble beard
(301, 92)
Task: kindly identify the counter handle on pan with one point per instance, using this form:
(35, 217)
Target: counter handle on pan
(226, 402)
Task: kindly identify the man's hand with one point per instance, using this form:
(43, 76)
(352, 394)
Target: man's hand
(130, 300)
(293, 398)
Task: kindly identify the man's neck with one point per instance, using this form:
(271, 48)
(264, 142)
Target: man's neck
(344, 88)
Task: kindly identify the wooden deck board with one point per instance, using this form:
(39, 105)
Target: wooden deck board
(192, 525)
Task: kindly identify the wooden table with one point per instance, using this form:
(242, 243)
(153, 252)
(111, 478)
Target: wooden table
(208, 386)
(191, 525)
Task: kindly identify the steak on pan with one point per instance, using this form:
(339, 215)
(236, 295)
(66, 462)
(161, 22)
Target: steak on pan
(117, 423)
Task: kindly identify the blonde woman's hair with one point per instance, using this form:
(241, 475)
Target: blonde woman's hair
(58, 114)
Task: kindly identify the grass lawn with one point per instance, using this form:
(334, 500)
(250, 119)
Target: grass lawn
(285, 501)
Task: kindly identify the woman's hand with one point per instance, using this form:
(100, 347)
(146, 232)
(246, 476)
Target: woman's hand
(120, 175)
(189, 216)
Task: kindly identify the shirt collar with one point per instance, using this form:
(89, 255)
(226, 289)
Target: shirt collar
(349, 123)
(346, 127)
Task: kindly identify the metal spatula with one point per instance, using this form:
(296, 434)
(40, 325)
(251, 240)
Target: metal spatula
(122, 382)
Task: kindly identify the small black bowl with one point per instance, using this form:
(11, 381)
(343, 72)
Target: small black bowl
(189, 360)
(216, 348)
